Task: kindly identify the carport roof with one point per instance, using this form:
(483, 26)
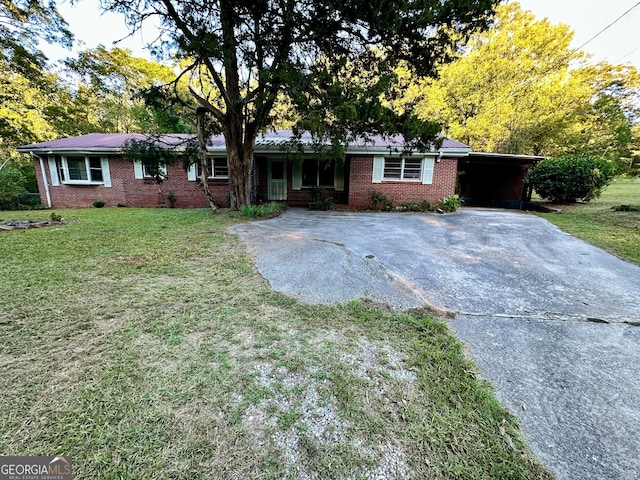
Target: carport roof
(503, 157)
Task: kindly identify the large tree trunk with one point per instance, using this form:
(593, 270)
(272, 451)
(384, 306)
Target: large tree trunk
(203, 162)
(240, 147)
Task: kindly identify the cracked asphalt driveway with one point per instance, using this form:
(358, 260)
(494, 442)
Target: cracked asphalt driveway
(553, 322)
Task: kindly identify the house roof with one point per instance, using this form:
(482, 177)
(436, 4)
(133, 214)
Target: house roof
(101, 142)
(269, 141)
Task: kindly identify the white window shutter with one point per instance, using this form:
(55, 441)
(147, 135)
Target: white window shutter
(106, 173)
(338, 180)
(427, 170)
(162, 171)
(378, 169)
(137, 169)
(191, 173)
(53, 172)
(296, 174)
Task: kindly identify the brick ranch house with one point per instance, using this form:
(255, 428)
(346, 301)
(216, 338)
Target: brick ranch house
(76, 171)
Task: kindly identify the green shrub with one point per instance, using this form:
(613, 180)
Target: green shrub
(322, 204)
(413, 206)
(449, 204)
(98, 203)
(570, 178)
(171, 196)
(427, 206)
(446, 205)
(321, 199)
(272, 209)
(381, 201)
(56, 217)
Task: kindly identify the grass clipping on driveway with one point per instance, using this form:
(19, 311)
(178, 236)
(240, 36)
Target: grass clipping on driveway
(144, 344)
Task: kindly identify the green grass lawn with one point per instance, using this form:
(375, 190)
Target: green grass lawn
(599, 224)
(143, 343)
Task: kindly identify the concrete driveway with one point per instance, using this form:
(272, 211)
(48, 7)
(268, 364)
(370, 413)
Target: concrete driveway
(553, 322)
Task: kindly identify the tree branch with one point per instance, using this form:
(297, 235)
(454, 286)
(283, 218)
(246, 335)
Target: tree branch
(184, 28)
(204, 103)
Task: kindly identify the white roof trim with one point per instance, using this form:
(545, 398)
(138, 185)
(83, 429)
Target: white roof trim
(449, 152)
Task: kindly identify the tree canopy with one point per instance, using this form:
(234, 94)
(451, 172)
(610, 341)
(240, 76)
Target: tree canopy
(520, 88)
(240, 56)
(23, 24)
(96, 92)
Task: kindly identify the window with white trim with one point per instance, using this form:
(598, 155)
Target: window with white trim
(148, 172)
(219, 168)
(80, 169)
(403, 169)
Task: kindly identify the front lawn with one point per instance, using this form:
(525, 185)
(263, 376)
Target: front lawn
(143, 343)
(599, 224)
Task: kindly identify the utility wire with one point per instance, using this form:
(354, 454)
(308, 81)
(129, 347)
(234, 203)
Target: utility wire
(567, 57)
(627, 54)
(605, 28)
(561, 61)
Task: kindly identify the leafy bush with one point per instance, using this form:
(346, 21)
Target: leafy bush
(12, 184)
(98, 203)
(272, 209)
(321, 199)
(412, 206)
(570, 178)
(446, 205)
(449, 204)
(322, 204)
(171, 196)
(381, 201)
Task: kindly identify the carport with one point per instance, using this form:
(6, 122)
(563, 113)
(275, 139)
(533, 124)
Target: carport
(494, 179)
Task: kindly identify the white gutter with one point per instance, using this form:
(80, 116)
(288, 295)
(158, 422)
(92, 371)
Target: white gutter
(44, 178)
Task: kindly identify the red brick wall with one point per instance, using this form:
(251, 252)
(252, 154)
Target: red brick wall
(127, 190)
(361, 187)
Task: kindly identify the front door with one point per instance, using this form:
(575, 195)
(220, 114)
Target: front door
(277, 177)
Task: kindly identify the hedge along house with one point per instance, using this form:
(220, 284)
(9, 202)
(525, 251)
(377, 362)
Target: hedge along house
(76, 171)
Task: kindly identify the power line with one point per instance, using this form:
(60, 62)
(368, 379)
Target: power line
(605, 28)
(627, 54)
(561, 61)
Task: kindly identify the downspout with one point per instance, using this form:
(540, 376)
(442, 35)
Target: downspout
(44, 179)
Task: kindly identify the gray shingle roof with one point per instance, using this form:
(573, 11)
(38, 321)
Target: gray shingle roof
(105, 142)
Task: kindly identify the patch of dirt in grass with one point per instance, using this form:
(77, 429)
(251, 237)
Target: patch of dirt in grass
(303, 417)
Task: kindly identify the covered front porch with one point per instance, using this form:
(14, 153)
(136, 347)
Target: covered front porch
(300, 181)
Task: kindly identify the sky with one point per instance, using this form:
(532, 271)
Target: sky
(618, 44)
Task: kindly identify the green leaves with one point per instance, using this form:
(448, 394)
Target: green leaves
(520, 88)
(570, 178)
(24, 23)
